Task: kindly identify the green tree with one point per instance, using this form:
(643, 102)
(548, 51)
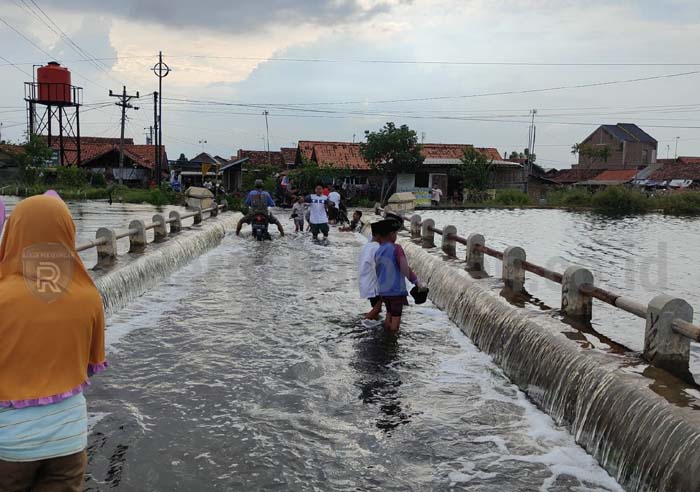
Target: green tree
(34, 155)
(475, 171)
(594, 153)
(391, 151)
(308, 174)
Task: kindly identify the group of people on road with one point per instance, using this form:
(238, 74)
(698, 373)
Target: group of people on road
(319, 209)
(383, 266)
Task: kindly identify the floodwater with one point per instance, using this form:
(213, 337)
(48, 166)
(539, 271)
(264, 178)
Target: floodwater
(249, 370)
(91, 215)
(639, 256)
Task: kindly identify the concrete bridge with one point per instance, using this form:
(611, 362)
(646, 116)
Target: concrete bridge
(646, 438)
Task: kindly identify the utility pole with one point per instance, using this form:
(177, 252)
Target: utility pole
(267, 131)
(124, 99)
(161, 70)
(531, 151)
(156, 147)
(149, 135)
(675, 155)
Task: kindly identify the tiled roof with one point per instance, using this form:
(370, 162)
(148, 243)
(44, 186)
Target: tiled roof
(622, 175)
(339, 155)
(203, 158)
(141, 155)
(259, 157)
(688, 169)
(10, 149)
(568, 176)
(347, 155)
(628, 132)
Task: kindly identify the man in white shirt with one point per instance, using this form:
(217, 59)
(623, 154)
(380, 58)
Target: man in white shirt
(334, 197)
(367, 275)
(435, 196)
(318, 213)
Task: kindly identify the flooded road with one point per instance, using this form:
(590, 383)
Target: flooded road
(249, 370)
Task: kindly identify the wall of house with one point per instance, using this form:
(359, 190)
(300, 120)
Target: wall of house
(506, 178)
(602, 138)
(627, 155)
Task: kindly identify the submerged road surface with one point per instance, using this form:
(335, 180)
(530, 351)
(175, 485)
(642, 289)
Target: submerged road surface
(249, 370)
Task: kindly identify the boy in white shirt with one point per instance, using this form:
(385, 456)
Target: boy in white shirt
(319, 213)
(369, 289)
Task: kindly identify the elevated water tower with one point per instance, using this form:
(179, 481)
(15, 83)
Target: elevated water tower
(53, 110)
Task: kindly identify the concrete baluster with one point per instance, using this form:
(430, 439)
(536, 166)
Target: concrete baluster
(415, 226)
(107, 252)
(198, 216)
(475, 259)
(663, 347)
(137, 241)
(160, 231)
(449, 245)
(176, 224)
(513, 274)
(575, 303)
(427, 234)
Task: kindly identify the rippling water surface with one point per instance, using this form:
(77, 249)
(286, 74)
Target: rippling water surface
(249, 370)
(91, 215)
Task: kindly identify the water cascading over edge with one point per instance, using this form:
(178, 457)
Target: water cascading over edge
(122, 284)
(645, 442)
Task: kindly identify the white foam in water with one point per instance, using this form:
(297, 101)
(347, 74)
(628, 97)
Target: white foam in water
(557, 449)
(148, 309)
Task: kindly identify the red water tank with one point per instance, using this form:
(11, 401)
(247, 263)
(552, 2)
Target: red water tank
(54, 83)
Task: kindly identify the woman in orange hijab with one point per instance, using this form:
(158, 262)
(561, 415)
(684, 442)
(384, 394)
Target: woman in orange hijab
(51, 341)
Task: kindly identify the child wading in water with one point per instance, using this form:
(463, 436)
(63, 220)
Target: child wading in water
(298, 213)
(367, 277)
(392, 272)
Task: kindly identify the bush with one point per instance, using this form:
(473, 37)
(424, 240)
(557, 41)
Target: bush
(616, 200)
(682, 203)
(72, 176)
(575, 198)
(512, 198)
(236, 204)
(98, 180)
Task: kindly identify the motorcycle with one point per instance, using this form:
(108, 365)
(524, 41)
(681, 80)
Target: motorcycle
(260, 225)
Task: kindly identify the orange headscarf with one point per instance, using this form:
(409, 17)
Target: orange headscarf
(51, 314)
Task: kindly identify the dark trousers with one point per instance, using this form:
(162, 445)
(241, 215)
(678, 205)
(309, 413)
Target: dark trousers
(63, 474)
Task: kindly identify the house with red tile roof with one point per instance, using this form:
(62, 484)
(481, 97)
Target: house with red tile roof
(679, 172)
(439, 160)
(612, 177)
(258, 158)
(101, 155)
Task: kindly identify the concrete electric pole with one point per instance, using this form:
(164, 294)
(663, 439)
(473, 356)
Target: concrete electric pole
(124, 99)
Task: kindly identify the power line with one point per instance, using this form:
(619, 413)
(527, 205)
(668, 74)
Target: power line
(49, 55)
(15, 65)
(402, 62)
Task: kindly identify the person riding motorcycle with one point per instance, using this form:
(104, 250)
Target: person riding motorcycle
(258, 201)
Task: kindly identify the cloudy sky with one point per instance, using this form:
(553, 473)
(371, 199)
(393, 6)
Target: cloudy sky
(456, 71)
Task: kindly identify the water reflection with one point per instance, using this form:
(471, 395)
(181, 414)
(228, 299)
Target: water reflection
(377, 363)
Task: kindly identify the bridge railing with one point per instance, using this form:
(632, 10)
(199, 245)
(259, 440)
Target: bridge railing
(106, 239)
(669, 321)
